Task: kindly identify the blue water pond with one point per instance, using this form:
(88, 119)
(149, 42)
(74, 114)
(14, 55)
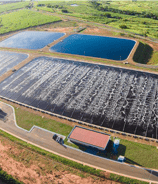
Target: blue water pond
(31, 39)
(95, 46)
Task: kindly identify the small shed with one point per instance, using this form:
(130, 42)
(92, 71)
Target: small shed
(89, 137)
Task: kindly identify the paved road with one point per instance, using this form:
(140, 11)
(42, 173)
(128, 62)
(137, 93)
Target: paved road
(43, 138)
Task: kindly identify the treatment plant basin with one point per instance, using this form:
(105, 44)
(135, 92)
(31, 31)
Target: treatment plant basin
(95, 46)
(112, 97)
(10, 59)
(31, 39)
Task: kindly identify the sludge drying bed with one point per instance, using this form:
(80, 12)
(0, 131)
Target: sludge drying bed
(112, 97)
(10, 59)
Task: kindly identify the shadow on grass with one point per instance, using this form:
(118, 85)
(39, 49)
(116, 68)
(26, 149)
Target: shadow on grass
(121, 150)
(129, 161)
(143, 53)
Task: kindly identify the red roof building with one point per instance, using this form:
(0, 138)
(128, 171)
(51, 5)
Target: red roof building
(89, 137)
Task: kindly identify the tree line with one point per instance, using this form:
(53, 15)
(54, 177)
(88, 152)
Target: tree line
(143, 14)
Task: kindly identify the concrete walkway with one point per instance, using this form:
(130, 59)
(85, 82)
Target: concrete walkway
(43, 139)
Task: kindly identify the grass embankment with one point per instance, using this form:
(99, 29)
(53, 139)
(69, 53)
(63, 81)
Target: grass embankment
(136, 153)
(29, 153)
(24, 19)
(13, 6)
(143, 53)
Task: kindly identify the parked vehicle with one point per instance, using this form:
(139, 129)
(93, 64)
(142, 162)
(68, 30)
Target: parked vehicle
(58, 139)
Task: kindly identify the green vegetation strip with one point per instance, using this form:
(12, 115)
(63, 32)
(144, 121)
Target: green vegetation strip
(23, 19)
(126, 180)
(7, 178)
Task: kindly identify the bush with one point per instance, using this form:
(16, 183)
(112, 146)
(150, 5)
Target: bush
(64, 11)
(123, 26)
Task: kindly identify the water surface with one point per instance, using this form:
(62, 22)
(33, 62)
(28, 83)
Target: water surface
(31, 39)
(95, 46)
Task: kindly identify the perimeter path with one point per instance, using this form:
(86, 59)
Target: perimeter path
(43, 139)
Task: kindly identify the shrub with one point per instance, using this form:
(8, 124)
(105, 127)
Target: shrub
(123, 26)
(64, 11)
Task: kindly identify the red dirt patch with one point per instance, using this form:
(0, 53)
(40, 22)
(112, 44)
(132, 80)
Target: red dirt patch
(63, 30)
(33, 170)
(97, 31)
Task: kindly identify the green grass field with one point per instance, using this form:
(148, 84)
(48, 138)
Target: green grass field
(87, 11)
(13, 6)
(154, 59)
(23, 19)
(136, 153)
(139, 6)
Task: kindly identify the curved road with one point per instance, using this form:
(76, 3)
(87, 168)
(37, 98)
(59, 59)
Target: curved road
(43, 139)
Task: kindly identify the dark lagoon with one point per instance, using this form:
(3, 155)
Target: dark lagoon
(111, 97)
(31, 39)
(95, 46)
(10, 59)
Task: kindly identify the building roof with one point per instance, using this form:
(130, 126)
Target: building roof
(89, 137)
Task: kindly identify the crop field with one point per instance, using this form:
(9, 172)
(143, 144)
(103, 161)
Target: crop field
(13, 6)
(116, 98)
(24, 19)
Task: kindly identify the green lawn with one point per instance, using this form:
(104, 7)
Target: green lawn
(136, 153)
(24, 19)
(27, 120)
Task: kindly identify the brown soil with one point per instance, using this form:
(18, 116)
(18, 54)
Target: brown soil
(153, 45)
(97, 31)
(63, 30)
(30, 167)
